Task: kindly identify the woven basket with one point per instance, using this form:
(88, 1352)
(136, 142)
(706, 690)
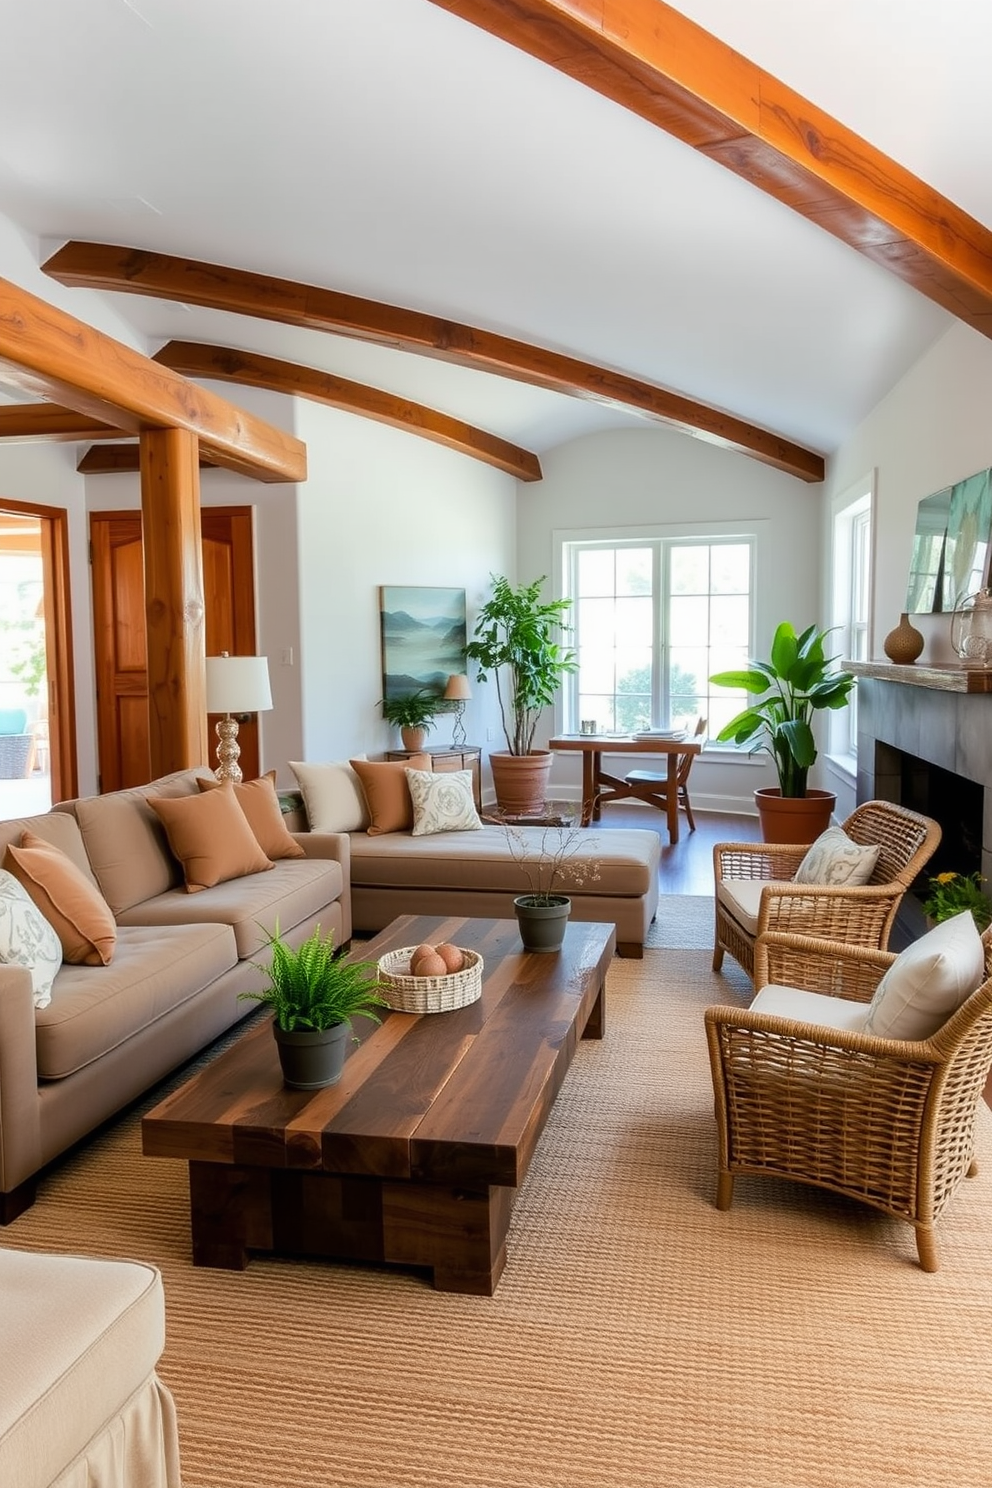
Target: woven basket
(429, 994)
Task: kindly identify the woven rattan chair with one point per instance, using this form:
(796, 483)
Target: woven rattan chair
(887, 1122)
(860, 916)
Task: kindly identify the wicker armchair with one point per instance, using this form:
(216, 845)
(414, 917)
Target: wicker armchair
(860, 916)
(887, 1122)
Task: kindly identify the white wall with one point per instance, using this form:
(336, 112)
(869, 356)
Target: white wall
(931, 430)
(384, 507)
(630, 480)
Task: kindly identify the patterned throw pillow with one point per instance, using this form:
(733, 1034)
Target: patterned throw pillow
(442, 802)
(836, 860)
(27, 939)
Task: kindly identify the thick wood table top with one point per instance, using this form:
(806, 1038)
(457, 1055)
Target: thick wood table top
(456, 1097)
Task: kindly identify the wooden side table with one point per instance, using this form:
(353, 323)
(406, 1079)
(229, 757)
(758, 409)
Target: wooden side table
(450, 757)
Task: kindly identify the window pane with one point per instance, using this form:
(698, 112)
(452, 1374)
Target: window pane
(595, 621)
(690, 570)
(595, 570)
(634, 623)
(596, 670)
(634, 567)
(731, 568)
(730, 617)
(688, 621)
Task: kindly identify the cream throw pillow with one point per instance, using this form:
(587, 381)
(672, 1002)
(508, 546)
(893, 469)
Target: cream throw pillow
(27, 939)
(443, 802)
(836, 860)
(332, 795)
(928, 981)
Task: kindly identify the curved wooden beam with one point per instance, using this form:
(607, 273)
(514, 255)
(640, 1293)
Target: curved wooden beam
(194, 359)
(652, 60)
(54, 356)
(50, 421)
(162, 276)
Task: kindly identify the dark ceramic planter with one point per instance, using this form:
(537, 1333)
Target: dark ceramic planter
(311, 1058)
(542, 926)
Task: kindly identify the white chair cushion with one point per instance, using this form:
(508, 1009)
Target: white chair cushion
(810, 1007)
(333, 796)
(741, 898)
(928, 981)
(835, 859)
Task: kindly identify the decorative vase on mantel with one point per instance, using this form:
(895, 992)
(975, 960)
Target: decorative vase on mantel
(904, 644)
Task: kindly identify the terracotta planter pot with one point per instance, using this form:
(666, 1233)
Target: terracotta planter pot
(521, 780)
(413, 738)
(793, 818)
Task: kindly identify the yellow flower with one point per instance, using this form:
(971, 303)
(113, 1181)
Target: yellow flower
(945, 878)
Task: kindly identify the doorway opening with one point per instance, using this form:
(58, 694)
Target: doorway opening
(37, 739)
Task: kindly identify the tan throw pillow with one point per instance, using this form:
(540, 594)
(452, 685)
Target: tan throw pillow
(333, 796)
(210, 836)
(260, 803)
(837, 860)
(73, 906)
(387, 792)
(443, 802)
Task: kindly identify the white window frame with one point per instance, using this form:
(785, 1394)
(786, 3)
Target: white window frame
(566, 542)
(852, 569)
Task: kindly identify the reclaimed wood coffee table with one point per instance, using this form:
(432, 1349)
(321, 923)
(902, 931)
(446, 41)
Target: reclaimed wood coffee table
(414, 1158)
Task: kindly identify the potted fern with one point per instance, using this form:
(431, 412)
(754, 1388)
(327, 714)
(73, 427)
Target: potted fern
(314, 995)
(516, 643)
(412, 714)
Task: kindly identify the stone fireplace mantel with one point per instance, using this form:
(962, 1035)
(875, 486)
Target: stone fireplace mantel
(940, 716)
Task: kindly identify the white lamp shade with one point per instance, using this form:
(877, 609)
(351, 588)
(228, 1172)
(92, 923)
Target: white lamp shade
(238, 684)
(458, 688)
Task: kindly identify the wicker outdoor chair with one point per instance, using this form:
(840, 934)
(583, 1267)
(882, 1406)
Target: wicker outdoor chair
(860, 916)
(881, 1120)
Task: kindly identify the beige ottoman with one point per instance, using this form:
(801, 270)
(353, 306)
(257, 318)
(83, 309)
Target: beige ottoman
(80, 1403)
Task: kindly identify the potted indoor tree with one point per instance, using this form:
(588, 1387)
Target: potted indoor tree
(797, 680)
(515, 641)
(314, 995)
(412, 714)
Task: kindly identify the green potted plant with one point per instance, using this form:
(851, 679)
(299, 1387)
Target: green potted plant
(412, 714)
(515, 642)
(796, 681)
(549, 864)
(314, 995)
(950, 894)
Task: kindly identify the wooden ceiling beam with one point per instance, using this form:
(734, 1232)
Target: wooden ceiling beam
(51, 355)
(161, 276)
(120, 459)
(23, 422)
(194, 359)
(652, 60)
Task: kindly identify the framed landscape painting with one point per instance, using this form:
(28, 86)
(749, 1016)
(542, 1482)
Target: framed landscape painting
(423, 638)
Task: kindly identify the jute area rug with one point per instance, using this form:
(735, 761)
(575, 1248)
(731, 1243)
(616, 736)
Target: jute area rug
(638, 1339)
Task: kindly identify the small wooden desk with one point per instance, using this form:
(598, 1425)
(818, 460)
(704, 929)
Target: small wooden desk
(598, 786)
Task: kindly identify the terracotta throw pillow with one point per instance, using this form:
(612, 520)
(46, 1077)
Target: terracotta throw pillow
(74, 907)
(260, 803)
(387, 791)
(210, 836)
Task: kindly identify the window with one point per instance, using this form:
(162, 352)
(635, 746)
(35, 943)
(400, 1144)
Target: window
(851, 556)
(652, 620)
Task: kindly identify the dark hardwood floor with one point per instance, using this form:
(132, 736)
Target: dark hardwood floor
(686, 867)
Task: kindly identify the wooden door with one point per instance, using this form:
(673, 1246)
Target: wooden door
(119, 632)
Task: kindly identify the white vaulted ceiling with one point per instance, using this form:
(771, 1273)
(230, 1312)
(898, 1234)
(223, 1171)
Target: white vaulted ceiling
(391, 150)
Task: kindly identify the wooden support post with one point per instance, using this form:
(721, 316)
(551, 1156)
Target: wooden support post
(170, 514)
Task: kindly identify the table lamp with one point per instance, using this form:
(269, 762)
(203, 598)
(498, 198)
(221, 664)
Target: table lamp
(235, 684)
(458, 691)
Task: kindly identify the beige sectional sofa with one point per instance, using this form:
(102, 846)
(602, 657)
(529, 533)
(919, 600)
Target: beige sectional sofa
(473, 871)
(179, 963)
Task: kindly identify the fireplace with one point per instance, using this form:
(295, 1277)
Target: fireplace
(925, 741)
